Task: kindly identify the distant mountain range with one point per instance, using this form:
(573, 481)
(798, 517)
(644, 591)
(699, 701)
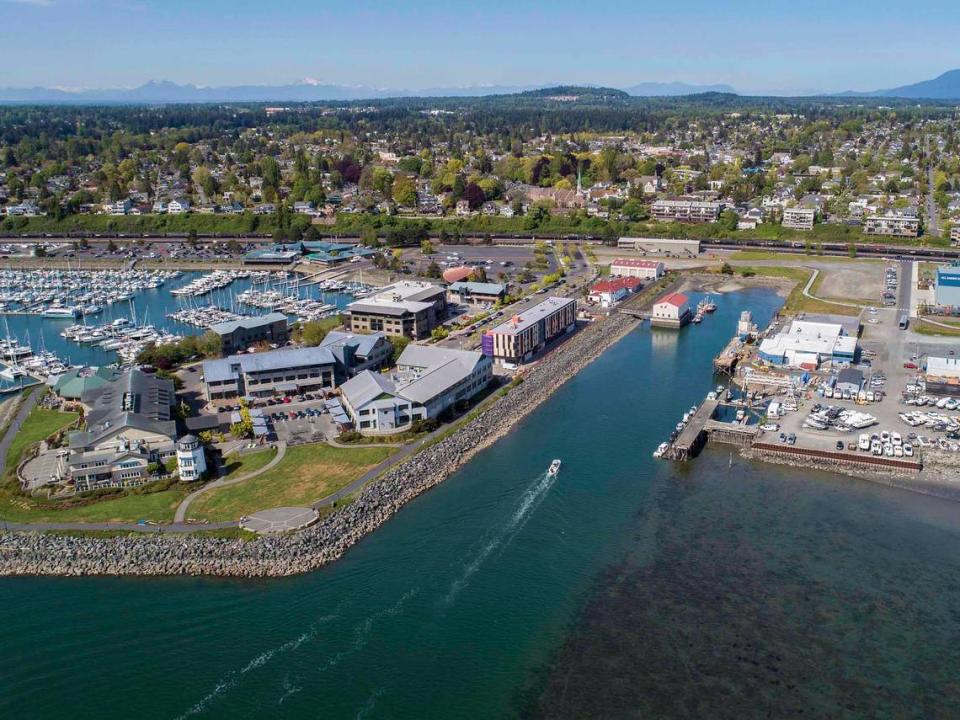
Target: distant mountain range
(675, 89)
(164, 91)
(944, 87)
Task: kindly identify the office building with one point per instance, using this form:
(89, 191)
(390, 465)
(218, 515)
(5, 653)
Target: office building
(427, 382)
(238, 335)
(407, 308)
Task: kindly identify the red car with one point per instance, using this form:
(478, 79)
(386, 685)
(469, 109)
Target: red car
(286, 399)
(910, 366)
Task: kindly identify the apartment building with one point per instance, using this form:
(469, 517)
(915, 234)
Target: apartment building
(899, 225)
(799, 218)
(517, 340)
(695, 211)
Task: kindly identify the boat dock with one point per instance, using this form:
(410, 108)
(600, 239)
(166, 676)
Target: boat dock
(726, 361)
(693, 436)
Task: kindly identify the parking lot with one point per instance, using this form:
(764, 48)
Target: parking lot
(891, 360)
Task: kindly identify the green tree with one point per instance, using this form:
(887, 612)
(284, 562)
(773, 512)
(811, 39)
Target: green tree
(426, 247)
(404, 191)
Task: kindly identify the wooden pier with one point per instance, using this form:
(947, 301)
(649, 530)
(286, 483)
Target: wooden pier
(693, 436)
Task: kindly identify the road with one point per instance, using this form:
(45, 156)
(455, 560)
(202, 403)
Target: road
(933, 221)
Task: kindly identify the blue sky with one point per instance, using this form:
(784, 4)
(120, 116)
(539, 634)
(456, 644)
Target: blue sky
(757, 46)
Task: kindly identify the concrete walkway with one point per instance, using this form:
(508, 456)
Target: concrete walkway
(181, 513)
(171, 528)
(807, 293)
(26, 407)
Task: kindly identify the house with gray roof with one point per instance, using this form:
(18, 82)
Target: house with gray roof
(238, 335)
(129, 424)
(427, 382)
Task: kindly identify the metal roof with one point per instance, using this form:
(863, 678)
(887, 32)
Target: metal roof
(225, 328)
(533, 315)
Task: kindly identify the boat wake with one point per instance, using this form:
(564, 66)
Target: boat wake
(529, 501)
(233, 678)
(361, 633)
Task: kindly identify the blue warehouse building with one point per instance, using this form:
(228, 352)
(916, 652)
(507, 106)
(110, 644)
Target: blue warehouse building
(947, 290)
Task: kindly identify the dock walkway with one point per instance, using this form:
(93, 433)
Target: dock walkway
(691, 439)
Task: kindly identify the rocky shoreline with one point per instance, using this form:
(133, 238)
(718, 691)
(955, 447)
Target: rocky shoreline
(32, 553)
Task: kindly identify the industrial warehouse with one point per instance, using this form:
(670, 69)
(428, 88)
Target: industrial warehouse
(808, 343)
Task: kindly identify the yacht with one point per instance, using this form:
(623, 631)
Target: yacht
(554, 468)
(661, 449)
(62, 311)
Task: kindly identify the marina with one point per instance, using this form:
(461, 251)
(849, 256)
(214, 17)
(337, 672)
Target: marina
(134, 308)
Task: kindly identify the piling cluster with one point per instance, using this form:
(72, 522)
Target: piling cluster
(185, 554)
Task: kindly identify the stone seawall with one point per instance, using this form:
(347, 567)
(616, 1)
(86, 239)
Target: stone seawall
(49, 554)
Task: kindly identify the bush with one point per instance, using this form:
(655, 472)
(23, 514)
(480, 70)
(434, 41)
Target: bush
(349, 436)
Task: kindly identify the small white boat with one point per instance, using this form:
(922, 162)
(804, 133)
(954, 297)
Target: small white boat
(554, 468)
(661, 449)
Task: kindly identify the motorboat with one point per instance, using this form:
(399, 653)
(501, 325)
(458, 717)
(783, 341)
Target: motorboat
(554, 468)
(661, 449)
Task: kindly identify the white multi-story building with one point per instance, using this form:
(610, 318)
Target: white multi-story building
(899, 225)
(686, 210)
(799, 218)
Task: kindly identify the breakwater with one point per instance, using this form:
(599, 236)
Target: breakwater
(49, 554)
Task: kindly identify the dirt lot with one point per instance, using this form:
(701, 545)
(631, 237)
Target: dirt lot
(859, 280)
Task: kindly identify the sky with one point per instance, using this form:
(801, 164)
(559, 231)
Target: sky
(768, 46)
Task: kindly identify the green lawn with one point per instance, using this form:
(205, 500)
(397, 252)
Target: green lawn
(237, 464)
(306, 474)
(39, 425)
(926, 329)
(753, 255)
(131, 507)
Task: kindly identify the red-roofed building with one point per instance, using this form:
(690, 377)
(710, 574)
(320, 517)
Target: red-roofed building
(608, 292)
(457, 274)
(671, 310)
(635, 267)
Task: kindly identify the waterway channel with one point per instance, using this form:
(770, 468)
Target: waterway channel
(625, 587)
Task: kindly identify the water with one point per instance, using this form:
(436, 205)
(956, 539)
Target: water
(624, 584)
(147, 307)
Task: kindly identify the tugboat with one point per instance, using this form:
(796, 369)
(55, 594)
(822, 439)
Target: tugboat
(554, 468)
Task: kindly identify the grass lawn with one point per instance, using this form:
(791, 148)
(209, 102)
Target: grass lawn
(752, 255)
(157, 506)
(237, 464)
(306, 474)
(39, 425)
(926, 329)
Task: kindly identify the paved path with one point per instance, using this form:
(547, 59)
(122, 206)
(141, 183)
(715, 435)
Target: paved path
(812, 280)
(25, 408)
(181, 514)
(173, 527)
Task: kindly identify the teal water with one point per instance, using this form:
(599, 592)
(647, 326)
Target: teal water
(624, 585)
